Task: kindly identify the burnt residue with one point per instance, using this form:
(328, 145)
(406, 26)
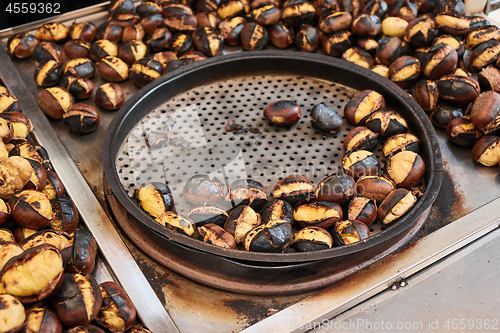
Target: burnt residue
(251, 311)
(448, 207)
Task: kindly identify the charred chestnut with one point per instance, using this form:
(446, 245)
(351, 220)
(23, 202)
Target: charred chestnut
(486, 151)
(208, 19)
(84, 31)
(274, 236)
(362, 209)
(375, 187)
(458, 89)
(231, 28)
(60, 240)
(484, 55)
(110, 30)
(12, 315)
(83, 67)
(440, 60)
(349, 232)
(65, 214)
(202, 188)
(396, 205)
(113, 69)
(405, 168)
(208, 40)
(47, 73)
(164, 57)
(22, 45)
(463, 132)
(360, 163)
(405, 71)
(9, 103)
(79, 88)
(52, 32)
(121, 6)
(117, 313)
(125, 19)
(421, 32)
(232, 8)
(312, 239)
(283, 112)
(179, 17)
(485, 112)
(84, 252)
(54, 101)
(81, 118)
(145, 71)
(45, 267)
(135, 32)
(38, 177)
(193, 55)
(160, 39)
(359, 108)
(388, 50)
(132, 51)
(21, 125)
(335, 21)
(336, 188)
(338, 42)
(31, 209)
(208, 212)
(109, 96)
(297, 13)
(54, 185)
(368, 44)
(426, 94)
(15, 172)
(155, 198)
(254, 36)
(265, 15)
(401, 142)
(359, 57)
(177, 223)
(103, 48)
(77, 48)
(386, 123)
(181, 44)
(443, 114)
(321, 214)
(247, 192)
(325, 119)
(452, 23)
(489, 78)
(147, 8)
(78, 300)
(481, 35)
(240, 221)
(366, 25)
(294, 189)
(277, 209)
(41, 318)
(361, 137)
(47, 50)
(215, 235)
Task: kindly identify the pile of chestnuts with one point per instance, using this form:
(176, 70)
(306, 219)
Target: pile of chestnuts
(46, 259)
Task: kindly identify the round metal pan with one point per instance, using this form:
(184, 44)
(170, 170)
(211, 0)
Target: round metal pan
(249, 272)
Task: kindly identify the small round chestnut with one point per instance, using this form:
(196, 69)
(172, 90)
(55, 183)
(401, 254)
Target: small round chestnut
(281, 35)
(78, 87)
(274, 236)
(405, 71)
(47, 73)
(31, 209)
(109, 96)
(375, 187)
(159, 39)
(458, 89)
(77, 48)
(366, 25)
(336, 188)
(321, 214)
(81, 118)
(386, 123)
(109, 30)
(426, 94)
(485, 112)
(277, 209)
(349, 232)
(103, 48)
(254, 36)
(312, 239)
(294, 189)
(132, 51)
(41, 318)
(401, 142)
(362, 209)
(358, 56)
(22, 45)
(335, 21)
(307, 39)
(177, 223)
(155, 198)
(338, 42)
(406, 168)
(208, 40)
(133, 32)
(215, 235)
(208, 212)
(486, 151)
(463, 132)
(47, 50)
(359, 108)
(283, 112)
(55, 101)
(247, 192)
(360, 163)
(396, 205)
(180, 44)
(52, 32)
(84, 31)
(113, 69)
(203, 188)
(361, 137)
(83, 67)
(145, 71)
(443, 114)
(297, 13)
(240, 221)
(325, 119)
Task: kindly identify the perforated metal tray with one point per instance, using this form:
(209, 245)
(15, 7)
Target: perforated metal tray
(175, 128)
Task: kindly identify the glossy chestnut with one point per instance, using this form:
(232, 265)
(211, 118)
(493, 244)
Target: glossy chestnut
(359, 108)
(47, 50)
(396, 205)
(113, 69)
(277, 209)
(463, 132)
(338, 42)
(405, 168)
(359, 57)
(254, 36)
(336, 188)
(215, 235)
(360, 137)
(77, 48)
(362, 209)
(109, 30)
(22, 45)
(31, 209)
(84, 31)
(443, 114)
(283, 112)
(360, 163)
(401, 142)
(81, 118)
(426, 94)
(349, 232)
(83, 67)
(485, 112)
(231, 28)
(486, 150)
(458, 89)
(202, 188)
(297, 13)
(155, 198)
(109, 96)
(335, 21)
(117, 313)
(41, 318)
(181, 44)
(312, 239)
(325, 119)
(405, 71)
(47, 73)
(294, 189)
(274, 236)
(321, 214)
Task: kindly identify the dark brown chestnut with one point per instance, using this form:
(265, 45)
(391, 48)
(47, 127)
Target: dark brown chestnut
(215, 235)
(335, 21)
(443, 114)
(103, 48)
(31, 209)
(349, 232)
(484, 55)
(404, 9)
(336, 188)
(386, 122)
(277, 209)
(31, 151)
(359, 108)
(481, 35)
(307, 39)
(312, 239)
(254, 36)
(77, 48)
(362, 209)
(84, 252)
(265, 15)
(283, 112)
(375, 187)
(54, 186)
(426, 94)
(22, 45)
(47, 73)
(177, 223)
(81, 118)
(321, 214)
(360, 163)
(388, 50)
(297, 13)
(60, 240)
(47, 50)
(79, 88)
(34, 275)
(52, 32)
(113, 69)
(84, 31)
(55, 101)
(208, 19)
(147, 8)
(405, 168)
(9, 103)
(109, 30)
(38, 178)
(359, 57)
(368, 44)
(489, 78)
(452, 24)
(145, 71)
(294, 189)
(132, 51)
(164, 57)
(181, 44)
(125, 19)
(360, 137)
(485, 112)
(486, 151)
(338, 42)
(65, 215)
(135, 32)
(208, 40)
(83, 67)
(41, 318)
(366, 25)
(325, 119)
(231, 28)
(405, 71)
(401, 142)
(458, 89)
(440, 60)
(240, 221)
(121, 6)
(194, 55)
(274, 236)
(109, 96)
(463, 132)
(159, 39)
(208, 212)
(281, 35)
(396, 205)
(78, 300)
(117, 313)
(202, 188)
(247, 192)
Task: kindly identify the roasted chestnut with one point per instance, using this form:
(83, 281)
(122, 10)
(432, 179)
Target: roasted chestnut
(215, 235)
(60, 240)
(481, 35)
(81, 118)
(132, 51)
(21, 125)
(109, 96)
(489, 78)
(375, 187)
(312, 239)
(179, 17)
(9, 103)
(208, 212)
(231, 28)
(135, 32)
(109, 30)
(77, 48)
(426, 94)
(54, 186)
(458, 89)
(335, 21)
(486, 151)
(113, 69)
(84, 31)
(181, 44)
(202, 188)
(65, 214)
(38, 177)
(484, 55)
(155, 198)
(47, 50)
(394, 26)
(360, 163)
(208, 40)
(294, 189)
(15, 172)
(321, 214)
(84, 67)
(47, 73)
(297, 13)
(12, 315)
(277, 209)
(325, 119)
(247, 192)
(117, 313)
(145, 71)
(362, 209)
(22, 45)
(164, 57)
(443, 114)
(386, 123)
(34, 275)
(265, 15)
(338, 42)
(121, 6)
(359, 57)
(194, 55)
(396, 205)
(103, 48)
(78, 300)
(208, 19)
(361, 137)
(421, 32)
(401, 142)
(359, 108)
(368, 44)
(405, 168)
(232, 8)
(463, 132)
(41, 318)
(388, 50)
(283, 112)
(177, 223)
(452, 23)
(55, 101)
(84, 252)
(8, 250)
(349, 232)
(79, 88)
(405, 71)
(254, 36)
(336, 188)
(31, 208)
(440, 60)
(5, 234)
(274, 236)
(240, 221)
(485, 112)
(52, 32)
(366, 25)
(307, 39)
